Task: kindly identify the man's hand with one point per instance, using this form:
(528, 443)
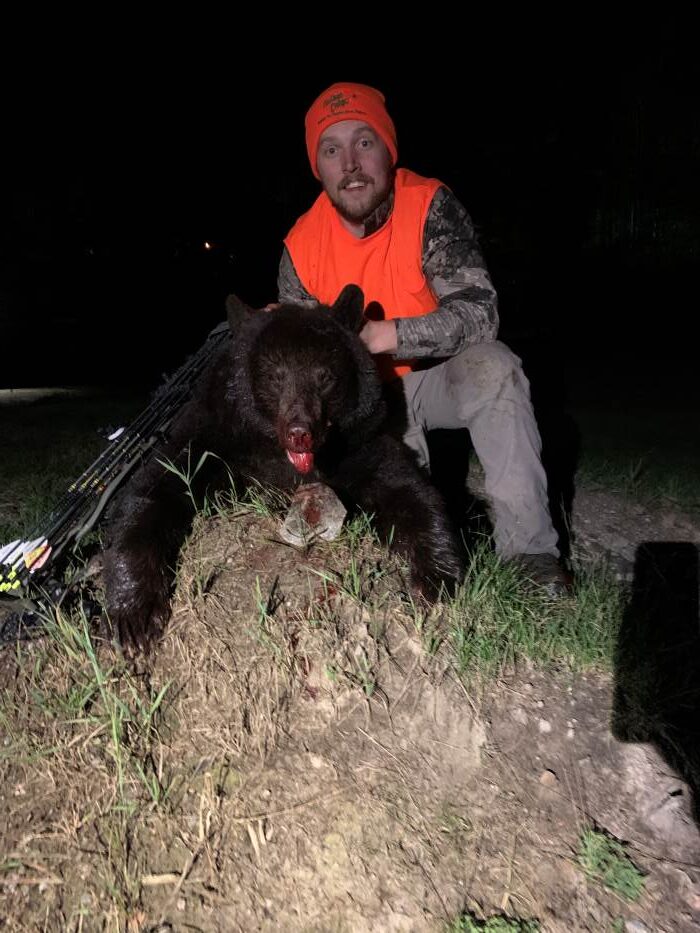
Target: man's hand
(272, 306)
(379, 336)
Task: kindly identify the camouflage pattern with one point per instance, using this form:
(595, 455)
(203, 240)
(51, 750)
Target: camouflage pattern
(467, 311)
(289, 287)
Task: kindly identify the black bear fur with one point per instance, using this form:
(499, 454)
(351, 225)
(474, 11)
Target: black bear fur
(294, 394)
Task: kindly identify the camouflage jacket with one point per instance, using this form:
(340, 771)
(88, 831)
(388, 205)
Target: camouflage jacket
(467, 310)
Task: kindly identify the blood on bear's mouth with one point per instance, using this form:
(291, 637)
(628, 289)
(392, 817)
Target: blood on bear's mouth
(298, 441)
(302, 461)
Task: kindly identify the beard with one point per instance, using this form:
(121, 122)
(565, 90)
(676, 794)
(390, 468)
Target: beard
(373, 198)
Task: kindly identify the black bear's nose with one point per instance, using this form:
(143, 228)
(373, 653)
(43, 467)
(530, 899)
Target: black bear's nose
(298, 438)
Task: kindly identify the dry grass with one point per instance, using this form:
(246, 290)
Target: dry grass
(301, 753)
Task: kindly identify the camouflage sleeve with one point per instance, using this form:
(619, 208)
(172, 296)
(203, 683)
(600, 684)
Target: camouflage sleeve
(289, 287)
(467, 310)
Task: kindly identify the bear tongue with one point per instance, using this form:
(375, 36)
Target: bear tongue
(302, 462)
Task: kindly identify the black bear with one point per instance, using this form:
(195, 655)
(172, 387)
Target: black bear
(293, 395)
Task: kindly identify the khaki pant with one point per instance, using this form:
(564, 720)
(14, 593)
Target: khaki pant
(485, 390)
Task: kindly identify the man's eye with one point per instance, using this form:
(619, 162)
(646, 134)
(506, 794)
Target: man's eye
(330, 151)
(365, 144)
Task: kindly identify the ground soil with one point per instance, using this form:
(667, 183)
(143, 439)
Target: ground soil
(319, 769)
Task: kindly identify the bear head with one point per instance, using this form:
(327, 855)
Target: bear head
(302, 376)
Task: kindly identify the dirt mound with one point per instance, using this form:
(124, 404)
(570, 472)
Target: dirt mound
(315, 763)
(350, 745)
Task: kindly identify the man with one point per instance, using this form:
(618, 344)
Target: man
(410, 245)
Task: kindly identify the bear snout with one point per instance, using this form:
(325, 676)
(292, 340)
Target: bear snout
(299, 422)
(298, 442)
(298, 438)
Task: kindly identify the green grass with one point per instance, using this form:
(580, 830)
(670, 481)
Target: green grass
(651, 455)
(44, 446)
(497, 619)
(605, 861)
(86, 696)
(361, 573)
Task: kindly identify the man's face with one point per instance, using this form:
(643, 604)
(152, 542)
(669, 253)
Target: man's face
(355, 169)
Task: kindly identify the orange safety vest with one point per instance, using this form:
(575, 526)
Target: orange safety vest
(387, 265)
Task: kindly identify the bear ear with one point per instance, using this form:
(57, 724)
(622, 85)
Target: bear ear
(349, 307)
(236, 311)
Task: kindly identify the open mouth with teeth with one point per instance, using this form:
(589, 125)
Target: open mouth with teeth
(302, 461)
(357, 185)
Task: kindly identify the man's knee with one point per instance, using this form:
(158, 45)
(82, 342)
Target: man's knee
(485, 368)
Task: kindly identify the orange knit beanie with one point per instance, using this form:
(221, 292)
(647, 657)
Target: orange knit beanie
(348, 102)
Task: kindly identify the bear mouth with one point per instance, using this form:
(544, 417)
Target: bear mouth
(302, 461)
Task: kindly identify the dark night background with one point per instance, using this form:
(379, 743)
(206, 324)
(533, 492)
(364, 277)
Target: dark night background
(575, 154)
